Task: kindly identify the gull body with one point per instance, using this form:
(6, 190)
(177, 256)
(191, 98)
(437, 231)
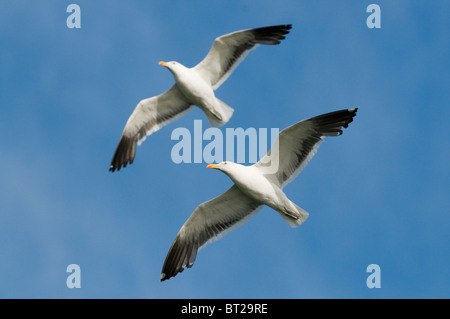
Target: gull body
(199, 92)
(255, 186)
(253, 183)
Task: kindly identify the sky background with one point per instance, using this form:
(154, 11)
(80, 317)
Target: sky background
(378, 194)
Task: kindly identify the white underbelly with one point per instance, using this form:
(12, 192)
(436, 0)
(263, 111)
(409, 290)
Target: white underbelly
(196, 90)
(260, 190)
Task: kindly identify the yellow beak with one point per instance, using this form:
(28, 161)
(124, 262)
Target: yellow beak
(163, 63)
(213, 166)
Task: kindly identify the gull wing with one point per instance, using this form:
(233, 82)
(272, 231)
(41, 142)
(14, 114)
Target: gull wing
(296, 145)
(228, 51)
(209, 222)
(149, 116)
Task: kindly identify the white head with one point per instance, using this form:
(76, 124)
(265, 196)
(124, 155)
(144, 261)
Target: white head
(173, 66)
(240, 174)
(228, 168)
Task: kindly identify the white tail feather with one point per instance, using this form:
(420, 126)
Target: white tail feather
(223, 110)
(302, 216)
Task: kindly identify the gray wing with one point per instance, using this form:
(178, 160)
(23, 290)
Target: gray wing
(296, 145)
(209, 222)
(149, 116)
(229, 50)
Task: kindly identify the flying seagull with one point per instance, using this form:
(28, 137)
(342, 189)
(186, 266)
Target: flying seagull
(255, 186)
(193, 86)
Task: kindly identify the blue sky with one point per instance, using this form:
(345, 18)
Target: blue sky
(376, 195)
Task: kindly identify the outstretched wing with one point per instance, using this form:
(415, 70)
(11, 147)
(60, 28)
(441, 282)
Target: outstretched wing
(149, 116)
(229, 50)
(209, 222)
(296, 145)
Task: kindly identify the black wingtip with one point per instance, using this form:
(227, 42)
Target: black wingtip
(124, 154)
(167, 277)
(271, 35)
(331, 124)
(181, 254)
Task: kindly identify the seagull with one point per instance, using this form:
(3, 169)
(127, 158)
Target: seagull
(193, 86)
(255, 186)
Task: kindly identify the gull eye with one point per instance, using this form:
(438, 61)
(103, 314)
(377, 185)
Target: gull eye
(225, 163)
